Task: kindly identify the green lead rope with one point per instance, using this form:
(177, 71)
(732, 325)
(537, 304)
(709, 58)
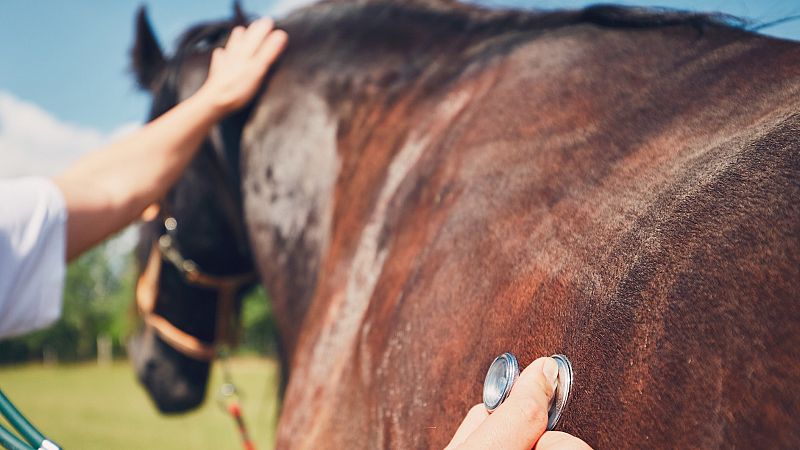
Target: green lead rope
(10, 441)
(36, 440)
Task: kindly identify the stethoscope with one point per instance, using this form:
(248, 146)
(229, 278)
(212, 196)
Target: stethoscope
(504, 371)
(33, 438)
(500, 378)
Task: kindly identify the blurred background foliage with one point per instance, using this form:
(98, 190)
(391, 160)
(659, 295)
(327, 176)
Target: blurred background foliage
(99, 303)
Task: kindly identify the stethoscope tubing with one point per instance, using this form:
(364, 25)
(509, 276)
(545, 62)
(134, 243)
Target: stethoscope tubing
(35, 439)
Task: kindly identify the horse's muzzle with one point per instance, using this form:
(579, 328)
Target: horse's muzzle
(176, 383)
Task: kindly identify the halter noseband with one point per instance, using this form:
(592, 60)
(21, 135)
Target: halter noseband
(226, 286)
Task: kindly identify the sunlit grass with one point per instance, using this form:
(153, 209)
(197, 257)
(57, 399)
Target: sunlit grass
(85, 406)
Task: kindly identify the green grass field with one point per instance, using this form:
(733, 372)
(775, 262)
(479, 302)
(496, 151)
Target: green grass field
(90, 407)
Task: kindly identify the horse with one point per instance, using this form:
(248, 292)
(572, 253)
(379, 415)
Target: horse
(200, 279)
(427, 184)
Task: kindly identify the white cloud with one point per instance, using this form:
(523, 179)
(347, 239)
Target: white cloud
(34, 142)
(282, 7)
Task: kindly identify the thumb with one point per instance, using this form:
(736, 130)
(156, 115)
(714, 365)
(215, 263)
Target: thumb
(557, 440)
(522, 419)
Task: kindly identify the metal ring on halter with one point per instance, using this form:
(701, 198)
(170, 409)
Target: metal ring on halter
(227, 394)
(503, 373)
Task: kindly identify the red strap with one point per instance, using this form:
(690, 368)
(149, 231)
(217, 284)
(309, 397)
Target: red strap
(236, 412)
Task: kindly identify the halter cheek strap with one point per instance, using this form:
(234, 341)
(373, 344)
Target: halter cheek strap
(227, 287)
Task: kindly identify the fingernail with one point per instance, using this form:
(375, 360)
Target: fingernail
(550, 370)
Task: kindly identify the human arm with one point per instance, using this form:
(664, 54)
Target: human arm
(520, 423)
(109, 188)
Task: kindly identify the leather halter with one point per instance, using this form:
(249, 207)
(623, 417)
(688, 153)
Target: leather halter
(226, 286)
(165, 249)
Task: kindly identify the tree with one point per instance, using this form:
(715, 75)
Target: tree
(96, 301)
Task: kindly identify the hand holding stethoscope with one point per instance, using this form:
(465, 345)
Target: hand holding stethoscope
(519, 418)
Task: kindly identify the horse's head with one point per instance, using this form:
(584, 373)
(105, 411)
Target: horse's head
(193, 248)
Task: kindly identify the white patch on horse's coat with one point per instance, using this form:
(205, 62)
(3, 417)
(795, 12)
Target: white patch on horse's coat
(453, 104)
(347, 308)
(296, 171)
(369, 259)
(345, 314)
(345, 317)
(301, 157)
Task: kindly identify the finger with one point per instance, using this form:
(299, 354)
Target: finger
(272, 47)
(536, 385)
(522, 419)
(556, 440)
(476, 415)
(216, 55)
(235, 39)
(255, 34)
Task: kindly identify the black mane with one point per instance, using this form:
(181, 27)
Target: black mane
(388, 44)
(385, 25)
(465, 18)
(320, 31)
(468, 17)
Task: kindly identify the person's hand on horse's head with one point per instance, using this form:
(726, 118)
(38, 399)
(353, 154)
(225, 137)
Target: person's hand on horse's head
(237, 69)
(520, 423)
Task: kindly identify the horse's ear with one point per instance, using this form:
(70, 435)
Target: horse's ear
(239, 17)
(146, 55)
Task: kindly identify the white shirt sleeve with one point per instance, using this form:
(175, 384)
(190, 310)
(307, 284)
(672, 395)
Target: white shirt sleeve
(33, 219)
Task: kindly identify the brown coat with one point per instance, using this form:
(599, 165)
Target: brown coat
(426, 188)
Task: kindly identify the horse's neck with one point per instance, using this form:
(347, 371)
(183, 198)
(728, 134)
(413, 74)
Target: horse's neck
(294, 154)
(321, 146)
(336, 160)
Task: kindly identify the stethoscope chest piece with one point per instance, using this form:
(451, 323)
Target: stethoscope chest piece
(504, 371)
(561, 394)
(499, 379)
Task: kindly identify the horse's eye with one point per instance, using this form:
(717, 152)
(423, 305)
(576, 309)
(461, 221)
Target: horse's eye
(209, 42)
(203, 45)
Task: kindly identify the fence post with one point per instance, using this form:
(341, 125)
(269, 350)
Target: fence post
(49, 356)
(104, 350)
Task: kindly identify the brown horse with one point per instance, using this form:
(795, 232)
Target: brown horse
(427, 185)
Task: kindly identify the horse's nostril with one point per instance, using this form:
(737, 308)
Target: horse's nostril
(174, 382)
(171, 390)
(175, 397)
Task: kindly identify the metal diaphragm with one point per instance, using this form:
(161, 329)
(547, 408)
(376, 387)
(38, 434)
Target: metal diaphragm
(561, 395)
(499, 379)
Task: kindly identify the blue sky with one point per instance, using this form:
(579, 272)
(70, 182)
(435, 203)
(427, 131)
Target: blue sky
(71, 57)
(66, 62)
